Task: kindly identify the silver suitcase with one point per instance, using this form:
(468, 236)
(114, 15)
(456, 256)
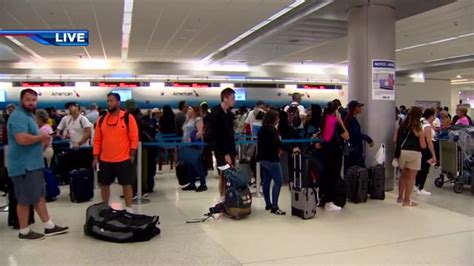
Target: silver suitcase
(304, 200)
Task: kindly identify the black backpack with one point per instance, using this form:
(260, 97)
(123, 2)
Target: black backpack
(294, 119)
(105, 223)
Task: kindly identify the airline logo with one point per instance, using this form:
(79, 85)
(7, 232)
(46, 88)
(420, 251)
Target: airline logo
(52, 37)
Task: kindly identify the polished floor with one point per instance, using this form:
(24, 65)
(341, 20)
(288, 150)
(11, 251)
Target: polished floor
(439, 231)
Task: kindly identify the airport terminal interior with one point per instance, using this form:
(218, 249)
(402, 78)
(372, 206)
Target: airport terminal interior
(236, 132)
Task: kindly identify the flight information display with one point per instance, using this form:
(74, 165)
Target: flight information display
(3, 96)
(121, 84)
(319, 87)
(191, 84)
(240, 95)
(43, 84)
(124, 94)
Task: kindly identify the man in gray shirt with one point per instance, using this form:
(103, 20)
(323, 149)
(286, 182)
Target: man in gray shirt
(181, 117)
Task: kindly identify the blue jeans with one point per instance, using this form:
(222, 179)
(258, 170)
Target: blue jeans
(271, 171)
(192, 157)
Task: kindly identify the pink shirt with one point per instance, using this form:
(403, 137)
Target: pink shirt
(47, 129)
(329, 127)
(463, 121)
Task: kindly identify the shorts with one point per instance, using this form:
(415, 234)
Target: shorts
(410, 160)
(123, 171)
(30, 187)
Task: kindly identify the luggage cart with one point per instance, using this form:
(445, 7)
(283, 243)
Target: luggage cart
(452, 165)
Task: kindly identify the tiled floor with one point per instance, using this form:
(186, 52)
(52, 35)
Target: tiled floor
(377, 232)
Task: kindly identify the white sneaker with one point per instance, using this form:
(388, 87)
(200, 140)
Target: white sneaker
(423, 193)
(330, 207)
(129, 210)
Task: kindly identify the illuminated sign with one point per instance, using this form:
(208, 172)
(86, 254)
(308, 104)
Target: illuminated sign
(120, 84)
(191, 84)
(52, 37)
(319, 87)
(43, 84)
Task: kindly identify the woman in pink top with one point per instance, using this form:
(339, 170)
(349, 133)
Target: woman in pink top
(462, 112)
(42, 121)
(333, 134)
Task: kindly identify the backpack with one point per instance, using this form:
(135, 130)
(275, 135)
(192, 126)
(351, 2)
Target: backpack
(238, 198)
(105, 223)
(294, 119)
(126, 119)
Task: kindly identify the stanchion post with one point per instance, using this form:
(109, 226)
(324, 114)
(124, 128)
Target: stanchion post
(139, 200)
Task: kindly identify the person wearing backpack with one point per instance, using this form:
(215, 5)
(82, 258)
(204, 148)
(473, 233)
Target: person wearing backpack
(296, 112)
(75, 127)
(114, 149)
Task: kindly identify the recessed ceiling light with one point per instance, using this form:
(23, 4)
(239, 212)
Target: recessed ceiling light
(458, 76)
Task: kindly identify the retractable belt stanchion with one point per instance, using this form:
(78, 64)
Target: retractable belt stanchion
(139, 200)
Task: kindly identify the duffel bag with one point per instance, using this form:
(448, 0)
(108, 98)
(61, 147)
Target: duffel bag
(105, 223)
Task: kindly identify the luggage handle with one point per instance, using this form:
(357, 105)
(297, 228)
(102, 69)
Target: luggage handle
(297, 176)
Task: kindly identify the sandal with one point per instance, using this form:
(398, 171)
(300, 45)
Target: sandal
(278, 212)
(411, 204)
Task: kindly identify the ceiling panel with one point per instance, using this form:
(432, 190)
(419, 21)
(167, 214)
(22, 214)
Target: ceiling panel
(180, 30)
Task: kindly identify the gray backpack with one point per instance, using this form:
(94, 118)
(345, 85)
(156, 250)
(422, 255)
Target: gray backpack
(105, 223)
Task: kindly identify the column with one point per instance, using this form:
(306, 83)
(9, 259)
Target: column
(371, 36)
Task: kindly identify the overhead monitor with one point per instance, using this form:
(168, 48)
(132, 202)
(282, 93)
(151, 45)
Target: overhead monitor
(3, 96)
(124, 94)
(240, 95)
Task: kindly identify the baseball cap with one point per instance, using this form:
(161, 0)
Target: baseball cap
(69, 104)
(353, 104)
(155, 110)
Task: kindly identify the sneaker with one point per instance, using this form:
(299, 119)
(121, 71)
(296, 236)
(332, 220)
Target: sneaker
(331, 207)
(57, 230)
(268, 207)
(190, 187)
(278, 212)
(145, 195)
(423, 193)
(201, 188)
(32, 235)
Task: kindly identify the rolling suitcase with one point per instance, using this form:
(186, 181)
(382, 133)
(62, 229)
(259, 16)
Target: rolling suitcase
(81, 185)
(304, 200)
(182, 173)
(377, 182)
(357, 179)
(52, 186)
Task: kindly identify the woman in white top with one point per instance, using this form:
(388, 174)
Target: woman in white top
(42, 121)
(429, 155)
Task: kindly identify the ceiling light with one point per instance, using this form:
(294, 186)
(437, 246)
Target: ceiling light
(418, 78)
(462, 82)
(458, 80)
(126, 27)
(257, 27)
(435, 42)
(24, 47)
(446, 58)
(458, 76)
(93, 64)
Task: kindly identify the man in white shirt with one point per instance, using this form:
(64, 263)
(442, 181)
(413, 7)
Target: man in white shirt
(296, 97)
(75, 127)
(93, 115)
(252, 120)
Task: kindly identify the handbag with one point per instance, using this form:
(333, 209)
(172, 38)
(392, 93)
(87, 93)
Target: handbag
(398, 151)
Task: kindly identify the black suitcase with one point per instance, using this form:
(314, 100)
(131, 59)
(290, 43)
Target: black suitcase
(182, 173)
(377, 182)
(81, 185)
(357, 181)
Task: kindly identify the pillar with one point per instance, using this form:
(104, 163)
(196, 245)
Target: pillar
(371, 36)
